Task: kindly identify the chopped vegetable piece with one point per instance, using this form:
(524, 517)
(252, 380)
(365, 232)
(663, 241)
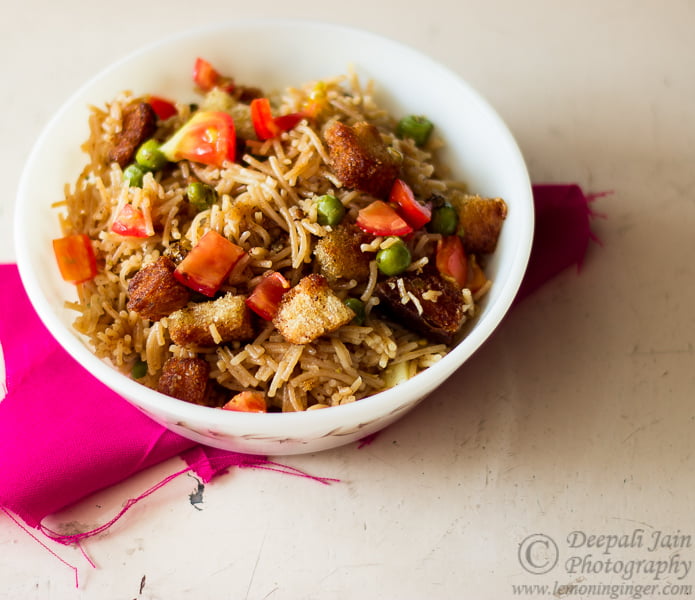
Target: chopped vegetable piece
(381, 219)
(415, 214)
(133, 175)
(163, 108)
(131, 222)
(75, 257)
(247, 401)
(265, 297)
(357, 306)
(209, 137)
(394, 259)
(444, 219)
(149, 156)
(265, 125)
(289, 121)
(451, 260)
(207, 265)
(418, 128)
(262, 118)
(201, 195)
(330, 210)
(139, 369)
(205, 76)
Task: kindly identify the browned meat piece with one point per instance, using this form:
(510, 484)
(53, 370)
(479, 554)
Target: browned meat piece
(438, 311)
(339, 256)
(309, 310)
(139, 124)
(154, 293)
(195, 324)
(360, 159)
(185, 379)
(480, 222)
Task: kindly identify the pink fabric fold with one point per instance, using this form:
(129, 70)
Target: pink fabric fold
(63, 435)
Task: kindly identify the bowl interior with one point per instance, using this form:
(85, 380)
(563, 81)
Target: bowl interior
(272, 55)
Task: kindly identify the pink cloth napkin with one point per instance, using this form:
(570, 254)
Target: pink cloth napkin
(63, 435)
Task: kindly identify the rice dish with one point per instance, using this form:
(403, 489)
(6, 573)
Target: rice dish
(314, 306)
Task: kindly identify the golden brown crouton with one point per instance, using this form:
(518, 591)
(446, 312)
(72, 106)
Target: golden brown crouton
(309, 310)
(360, 159)
(154, 293)
(185, 379)
(139, 124)
(210, 323)
(480, 222)
(339, 256)
(437, 312)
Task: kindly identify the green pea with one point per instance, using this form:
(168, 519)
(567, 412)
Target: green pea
(150, 156)
(394, 259)
(133, 175)
(330, 210)
(139, 369)
(444, 220)
(356, 306)
(416, 127)
(201, 195)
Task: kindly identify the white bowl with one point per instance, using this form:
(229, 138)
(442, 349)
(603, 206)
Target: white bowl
(274, 54)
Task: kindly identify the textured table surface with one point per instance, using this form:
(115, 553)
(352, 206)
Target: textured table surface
(574, 420)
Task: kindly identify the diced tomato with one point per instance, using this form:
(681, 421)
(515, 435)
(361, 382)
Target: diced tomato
(209, 137)
(75, 257)
(162, 107)
(289, 121)
(381, 219)
(265, 297)
(265, 125)
(131, 222)
(262, 119)
(205, 76)
(451, 260)
(247, 401)
(207, 265)
(415, 214)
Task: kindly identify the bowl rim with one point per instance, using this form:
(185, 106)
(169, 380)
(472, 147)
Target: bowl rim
(392, 399)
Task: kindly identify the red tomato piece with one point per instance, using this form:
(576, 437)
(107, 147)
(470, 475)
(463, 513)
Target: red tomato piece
(205, 76)
(265, 297)
(209, 137)
(262, 119)
(381, 219)
(162, 107)
(131, 222)
(416, 214)
(289, 121)
(208, 264)
(75, 257)
(247, 401)
(451, 260)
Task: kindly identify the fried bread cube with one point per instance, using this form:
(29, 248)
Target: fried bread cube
(309, 310)
(154, 292)
(360, 158)
(339, 256)
(479, 222)
(210, 323)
